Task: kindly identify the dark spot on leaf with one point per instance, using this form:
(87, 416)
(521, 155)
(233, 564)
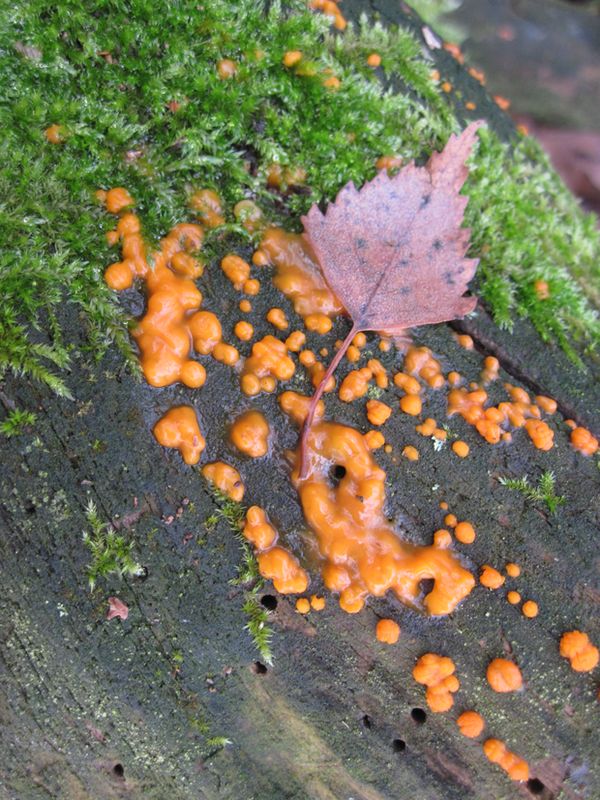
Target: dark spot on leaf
(437, 244)
(360, 243)
(449, 278)
(425, 200)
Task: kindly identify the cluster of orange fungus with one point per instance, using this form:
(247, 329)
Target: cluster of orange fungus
(493, 422)
(274, 562)
(173, 321)
(298, 277)
(584, 441)
(362, 555)
(225, 478)
(250, 434)
(576, 646)
(387, 631)
(497, 752)
(504, 675)
(437, 674)
(470, 724)
(268, 363)
(179, 429)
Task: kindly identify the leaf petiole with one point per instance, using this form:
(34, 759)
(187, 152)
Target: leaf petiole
(317, 396)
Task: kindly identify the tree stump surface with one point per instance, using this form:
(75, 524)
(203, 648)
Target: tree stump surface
(93, 709)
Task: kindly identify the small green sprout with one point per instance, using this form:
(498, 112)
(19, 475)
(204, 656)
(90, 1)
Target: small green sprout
(543, 492)
(111, 554)
(16, 421)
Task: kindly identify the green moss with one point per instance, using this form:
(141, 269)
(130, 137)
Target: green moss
(542, 493)
(111, 554)
(107, 74)
(17, 420)
(248, 576)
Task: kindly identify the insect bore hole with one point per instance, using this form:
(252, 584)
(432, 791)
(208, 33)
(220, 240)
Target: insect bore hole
(419, 716)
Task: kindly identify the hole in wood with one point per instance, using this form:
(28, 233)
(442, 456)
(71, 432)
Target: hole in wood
(336, 473)
(398, 745)
(419, 715)
(535, 786)
(269, 601)
(426, 585)
(119, 770)
(366, 721)
(259, 668)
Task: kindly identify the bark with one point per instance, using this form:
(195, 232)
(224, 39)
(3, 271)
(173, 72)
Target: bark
(125, 709)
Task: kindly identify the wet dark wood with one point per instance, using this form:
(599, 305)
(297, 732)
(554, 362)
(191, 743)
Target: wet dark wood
(122, 709)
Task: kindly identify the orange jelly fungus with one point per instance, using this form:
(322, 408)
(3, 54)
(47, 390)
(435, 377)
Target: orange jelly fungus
(330, 9)
(471, 724)
(377, 412)
(437, 674)
(299, 278)
(464, 340)
(302, 605)
(207, 205)
(491, 578)
(491, 423)
(296, 406)
(269, 359)
(179, 429)
(274, 562)
(373, 60)
(582, 440)
(411, 404)
(387, 631)
(245, 306)
(250, 434)
(374, 439)
(361, 553)
(54, 134)
(236, 269)
(295, 341)
(460, 448)
(497, 753)
(277, 318)
(166, 331)
(225, 478)
(530, 609)
(491, 369)
(582, 654)
(410, 452)
(355, 384)
(226, 68)
(291, 58)
(243, 330)
(465, 533)
(503, 675)
(514, 598)
(512, 570)
(317, 602)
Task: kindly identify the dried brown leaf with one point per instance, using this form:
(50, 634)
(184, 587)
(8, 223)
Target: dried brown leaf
(394, 252)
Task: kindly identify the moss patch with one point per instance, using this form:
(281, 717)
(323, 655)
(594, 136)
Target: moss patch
(136, 94)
